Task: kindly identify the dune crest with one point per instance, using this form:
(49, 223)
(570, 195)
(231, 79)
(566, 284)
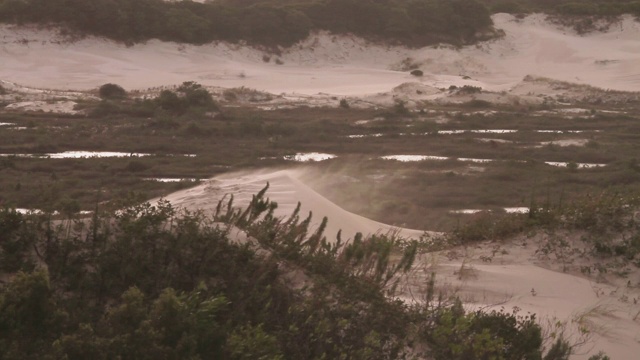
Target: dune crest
(285, 188)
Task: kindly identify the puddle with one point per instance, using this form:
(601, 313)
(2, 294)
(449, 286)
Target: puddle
(579, 165)
(414, 158)
(29, 211)
(6, 124)
(88, 155)
(516, 210)
(364, 136)
(411, 158)
(92, 154)
(172, 180)
(565, 131)
(466, 211)
(306, 157)
(574, 111)
(493, 131)
(365, 122)
(24, 211)
(487, 131)
(566, 142)
(475, 160)
(508, 210)
(501, 141)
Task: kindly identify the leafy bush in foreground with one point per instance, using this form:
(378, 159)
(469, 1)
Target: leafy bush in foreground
(151, 282)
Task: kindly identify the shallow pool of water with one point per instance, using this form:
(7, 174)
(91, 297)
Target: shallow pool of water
(580, 165)
(171, 180)
(411, 158)
(312, 156)
(88, 155)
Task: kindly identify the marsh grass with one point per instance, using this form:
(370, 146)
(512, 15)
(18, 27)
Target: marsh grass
(417, 195)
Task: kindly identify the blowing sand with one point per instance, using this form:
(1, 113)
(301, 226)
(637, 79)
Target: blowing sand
(285, 188)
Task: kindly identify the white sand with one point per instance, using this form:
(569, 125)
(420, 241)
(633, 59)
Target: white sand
(65, 107)
(492, 279)
(330, 64)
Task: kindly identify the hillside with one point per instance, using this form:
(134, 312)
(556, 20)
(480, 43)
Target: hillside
(337, 65)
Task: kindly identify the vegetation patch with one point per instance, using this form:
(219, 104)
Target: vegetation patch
(154, 282)
(259, 22)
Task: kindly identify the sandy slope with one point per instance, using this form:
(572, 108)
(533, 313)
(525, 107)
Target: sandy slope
(329, 64)
(517, 277)
(494, 275)
(287, 190)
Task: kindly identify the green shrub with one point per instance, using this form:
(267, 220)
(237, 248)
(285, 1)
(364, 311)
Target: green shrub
(458, 335)
(136, 166)
(112, 91)
(196, 95)
(168, 100)
(469, 89)
(508, 6)
(477, 104)
(105, 108)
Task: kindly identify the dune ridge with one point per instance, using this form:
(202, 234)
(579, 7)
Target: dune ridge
(487, 276)
(286, 189)
(324, 63)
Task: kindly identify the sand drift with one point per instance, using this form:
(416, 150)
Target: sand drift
(287, 190)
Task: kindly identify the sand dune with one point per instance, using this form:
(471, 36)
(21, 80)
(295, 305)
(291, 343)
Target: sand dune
(287, 190)
(351, 67)
(324, 63)
(515, 276)
(518, 278)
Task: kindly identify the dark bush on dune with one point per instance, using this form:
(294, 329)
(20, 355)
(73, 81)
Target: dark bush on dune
(112, 91)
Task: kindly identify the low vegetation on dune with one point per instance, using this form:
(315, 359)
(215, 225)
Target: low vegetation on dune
(151, 281)
(283, 23)
(260, 22)
(565, 7)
